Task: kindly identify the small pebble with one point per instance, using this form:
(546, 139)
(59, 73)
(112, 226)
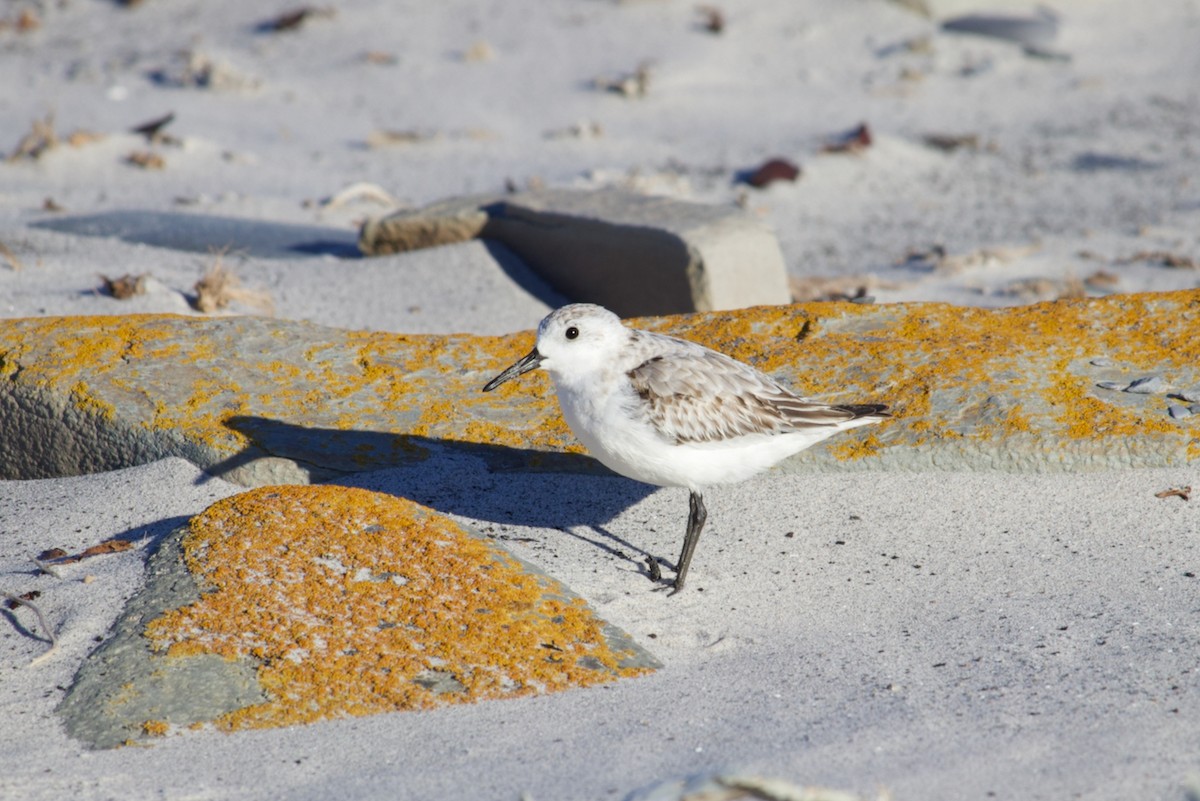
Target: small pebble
(1178, 412)
(1117, 385)
(1102, 361)
(1150, 385)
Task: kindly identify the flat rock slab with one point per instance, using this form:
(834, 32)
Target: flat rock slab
(288, 605)
(635, 254)
(262, 401)
(202, 233)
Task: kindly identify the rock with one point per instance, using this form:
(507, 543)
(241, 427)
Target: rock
(1035, 30)
(1149, 385)
(635, 254)
(1178, 412)
(261, 401)
(348, 625)
(449, 221)
(201, 233)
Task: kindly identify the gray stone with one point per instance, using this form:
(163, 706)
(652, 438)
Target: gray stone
(201, 233)
(1149, 385)
(446, 222)
(1178, 412)
(1035, 30)
(123, 685)
(635, 254)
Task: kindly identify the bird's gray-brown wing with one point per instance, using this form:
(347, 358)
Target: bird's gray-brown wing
(692, 394)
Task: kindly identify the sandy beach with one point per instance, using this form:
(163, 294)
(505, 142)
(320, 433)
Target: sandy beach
(902, 635)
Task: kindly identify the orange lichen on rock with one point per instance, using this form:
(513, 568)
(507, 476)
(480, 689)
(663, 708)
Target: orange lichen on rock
(965, 380)
(902, 354)
(356, 602)
(156, 728)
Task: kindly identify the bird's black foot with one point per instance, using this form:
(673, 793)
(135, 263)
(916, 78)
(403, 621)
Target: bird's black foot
(670, 587)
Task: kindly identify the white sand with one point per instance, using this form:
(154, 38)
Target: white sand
(975, 636)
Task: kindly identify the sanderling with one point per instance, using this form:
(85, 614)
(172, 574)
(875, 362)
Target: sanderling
(673, 413)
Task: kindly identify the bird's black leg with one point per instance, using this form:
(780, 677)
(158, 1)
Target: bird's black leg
(697, 514)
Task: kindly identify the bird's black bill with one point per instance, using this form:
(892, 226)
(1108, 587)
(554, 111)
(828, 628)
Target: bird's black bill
(528, 362)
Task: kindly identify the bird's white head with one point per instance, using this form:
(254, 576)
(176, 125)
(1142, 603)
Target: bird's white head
(573, 341)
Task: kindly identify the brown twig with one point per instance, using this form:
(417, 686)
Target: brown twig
(18, 600)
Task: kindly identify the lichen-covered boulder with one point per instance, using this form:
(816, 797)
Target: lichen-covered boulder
(287, 605)
(258, 401)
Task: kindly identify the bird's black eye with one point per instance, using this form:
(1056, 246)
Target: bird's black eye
(572, 332)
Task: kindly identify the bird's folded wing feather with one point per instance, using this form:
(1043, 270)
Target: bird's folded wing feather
(704, 396)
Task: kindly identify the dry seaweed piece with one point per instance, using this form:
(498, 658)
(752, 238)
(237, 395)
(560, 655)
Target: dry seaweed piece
(15, 601)
(1175, 492)
(219, 287)
(382, 137)
(124, 287)
(855, 140)
(771, 171)
(146, 160)
(57, 556)
(381, 57)
(153, 130)
(1102, 280)
(22, 600)
(108, 546)
(951, 142)
(292, 20)
(26, 21)
(79, 138)
(633, 84)
(10, 258)
(41, 137)
(1164, 258)
(712, 18)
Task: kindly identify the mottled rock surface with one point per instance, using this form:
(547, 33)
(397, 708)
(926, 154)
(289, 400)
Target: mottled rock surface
(289, 605)
(263, 401)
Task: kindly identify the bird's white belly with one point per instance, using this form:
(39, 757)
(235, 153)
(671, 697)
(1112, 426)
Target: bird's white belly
(633, 448)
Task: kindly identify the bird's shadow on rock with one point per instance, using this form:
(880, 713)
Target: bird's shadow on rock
(481, 481)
